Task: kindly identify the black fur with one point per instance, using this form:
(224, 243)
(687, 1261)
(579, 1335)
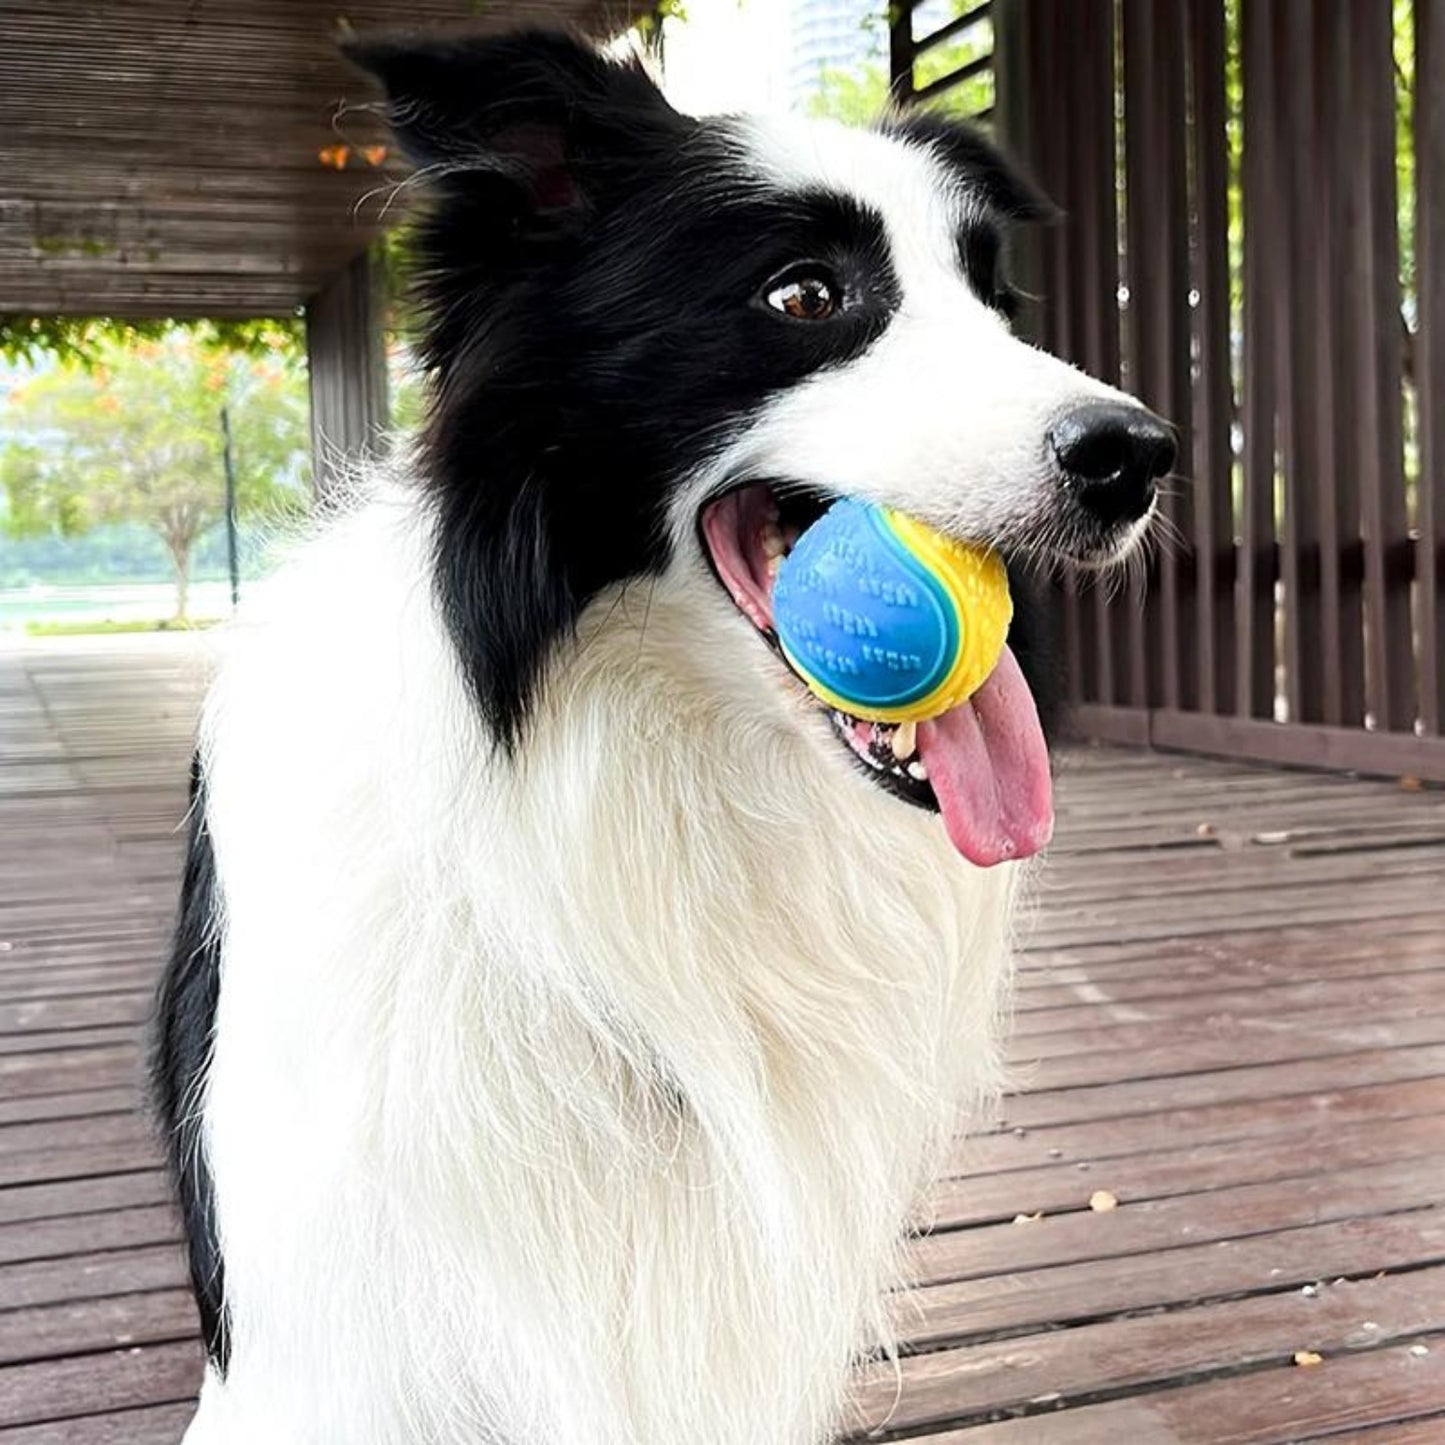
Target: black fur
(590, 270)
(181, 1051)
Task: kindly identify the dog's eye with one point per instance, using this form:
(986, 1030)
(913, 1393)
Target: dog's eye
(806, 296)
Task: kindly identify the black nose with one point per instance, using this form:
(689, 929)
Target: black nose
(1111, 456)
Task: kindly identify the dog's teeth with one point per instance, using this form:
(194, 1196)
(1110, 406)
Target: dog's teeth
(905, 740)
(772, 541)
(918, 771)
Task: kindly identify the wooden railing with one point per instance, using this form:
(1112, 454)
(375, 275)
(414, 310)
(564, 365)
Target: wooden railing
(949, 65)
(1235, 251)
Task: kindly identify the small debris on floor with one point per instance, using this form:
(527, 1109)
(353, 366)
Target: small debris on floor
(1028, 1218)
(1101, 1201)
(1204, 830)
(1305, 1358)
(1309, 1291)
(1419, 1351)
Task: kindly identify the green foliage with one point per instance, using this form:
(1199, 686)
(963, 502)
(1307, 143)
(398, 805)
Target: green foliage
(853, 97)
(859, 96)
(92, 628)
(134, 434)
(82, 339)
(1404, 48)
(969, 97)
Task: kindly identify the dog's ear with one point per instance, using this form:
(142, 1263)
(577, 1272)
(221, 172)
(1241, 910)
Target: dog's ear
(536, 109)
(981, 165)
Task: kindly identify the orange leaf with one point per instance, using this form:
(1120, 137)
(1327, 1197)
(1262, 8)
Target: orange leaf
(334, 156)
(374, 154)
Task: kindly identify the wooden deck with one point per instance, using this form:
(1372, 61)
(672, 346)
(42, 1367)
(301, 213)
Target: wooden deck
(1230, 1020)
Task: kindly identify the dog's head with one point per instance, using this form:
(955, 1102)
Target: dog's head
(662, 345)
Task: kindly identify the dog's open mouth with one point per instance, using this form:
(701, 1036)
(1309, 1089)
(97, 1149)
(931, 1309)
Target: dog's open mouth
(983, 765)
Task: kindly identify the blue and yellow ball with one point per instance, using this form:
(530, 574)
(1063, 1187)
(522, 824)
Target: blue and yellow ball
(886, 619)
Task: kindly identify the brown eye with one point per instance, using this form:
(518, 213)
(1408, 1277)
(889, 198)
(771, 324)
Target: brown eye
(805, 298)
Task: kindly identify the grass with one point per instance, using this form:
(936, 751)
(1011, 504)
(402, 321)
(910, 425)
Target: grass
(84, 629)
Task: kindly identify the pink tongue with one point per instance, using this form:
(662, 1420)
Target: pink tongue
(989, 767)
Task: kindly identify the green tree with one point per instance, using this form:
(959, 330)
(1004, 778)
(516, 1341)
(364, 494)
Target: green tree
(83, 339)
(858, 96)
(134, 434)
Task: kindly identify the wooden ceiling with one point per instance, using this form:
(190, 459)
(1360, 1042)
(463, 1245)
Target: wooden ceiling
(198, 157)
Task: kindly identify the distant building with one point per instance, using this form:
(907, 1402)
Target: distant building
(832, 35)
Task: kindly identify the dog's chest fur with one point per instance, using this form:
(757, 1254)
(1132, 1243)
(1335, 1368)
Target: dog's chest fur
(606, 1076)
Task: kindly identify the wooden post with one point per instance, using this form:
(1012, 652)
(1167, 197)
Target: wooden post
(1258, 559)
(900, 51)
(1430, 351)
(345, 352)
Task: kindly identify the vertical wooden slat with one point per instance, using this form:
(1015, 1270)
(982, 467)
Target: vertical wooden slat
(1390, 684)
(1099, 257)
(1158, 271)
(1320, 246)
(900, 50)
(1098, 246)
(1254, 587)
(1135, 630)
(1342, 267)
(1430, 352)
(1299, 363)
(1125, 616)
(1214, 393)
(1072, 188)
(1054, 94)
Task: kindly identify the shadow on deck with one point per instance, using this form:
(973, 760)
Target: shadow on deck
(1229, 1021)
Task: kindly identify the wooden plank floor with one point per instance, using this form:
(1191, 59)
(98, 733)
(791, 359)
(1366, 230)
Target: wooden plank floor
(1230, 1020)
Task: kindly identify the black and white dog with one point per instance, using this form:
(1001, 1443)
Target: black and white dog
(567, 1010)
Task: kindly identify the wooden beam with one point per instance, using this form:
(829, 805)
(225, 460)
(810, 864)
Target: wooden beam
(346, 353)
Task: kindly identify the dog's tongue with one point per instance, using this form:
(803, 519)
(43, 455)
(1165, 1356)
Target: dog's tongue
(989, 767)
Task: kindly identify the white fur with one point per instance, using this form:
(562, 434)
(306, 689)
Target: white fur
(457, 1198)
(582, 1100)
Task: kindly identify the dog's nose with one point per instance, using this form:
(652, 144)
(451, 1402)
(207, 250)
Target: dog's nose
(1111, 456)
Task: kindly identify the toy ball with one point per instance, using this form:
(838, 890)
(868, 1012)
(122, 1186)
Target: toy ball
(886, 619)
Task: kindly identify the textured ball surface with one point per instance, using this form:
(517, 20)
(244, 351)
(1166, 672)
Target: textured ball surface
(886, 619)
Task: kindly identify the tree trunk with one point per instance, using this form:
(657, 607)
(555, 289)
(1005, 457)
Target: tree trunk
(181, 561)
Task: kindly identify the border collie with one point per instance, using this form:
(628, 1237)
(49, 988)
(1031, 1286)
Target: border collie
(567, 1011)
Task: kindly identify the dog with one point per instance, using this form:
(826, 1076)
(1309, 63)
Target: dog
(567, 1010)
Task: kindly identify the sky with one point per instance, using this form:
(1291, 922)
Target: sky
(729, 55)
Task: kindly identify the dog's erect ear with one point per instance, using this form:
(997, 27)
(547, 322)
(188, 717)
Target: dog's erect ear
(981, 165)
(536, 108)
